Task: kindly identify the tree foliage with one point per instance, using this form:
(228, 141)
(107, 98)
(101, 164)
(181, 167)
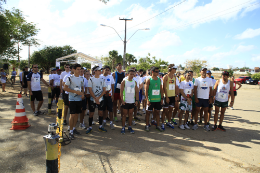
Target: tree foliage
(195, 65)
(129, 58)
(112, 59)
(86, 65)
(256, 76)
(215, 69)
(231, 72)
(46, 58)
(23, 64)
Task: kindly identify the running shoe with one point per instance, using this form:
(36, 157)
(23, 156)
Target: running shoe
(154, 123)
(108, 119)
(163, 127)
(174, 122)
(192, 123)
(181, 127)
(88, 112)
(137, 119)
(71, 136)
(93, 123)
(187, 127)
(170, 125)
(214, 128)
(35, 114)
(115, 119)
(123, 131)
(232, 108)
(76, 132)
(118, 112)
(144, 111)
(64, 122)
(206, 127)
(159, 129)
(39, 112)
(89, 130)
(133, 123)
(146, 128)
(68, 128)
(220, 127)
(112, 127)
(139, 114)
(131, 130)
(102, 129)
(200, 122)
(208, 123)
(195, 127)
(188, 123)
(104, 124)
(83, 126)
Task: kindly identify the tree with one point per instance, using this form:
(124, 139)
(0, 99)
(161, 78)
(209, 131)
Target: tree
(129, 58)
(256, 76)
(46, 58)
(231, 72)
(215, 69)
(86, 65)
(195, 65)
(4, 34)
(19, 31)
(23, 64)
(113, 59)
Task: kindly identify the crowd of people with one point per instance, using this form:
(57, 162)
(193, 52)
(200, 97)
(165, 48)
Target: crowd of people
(162, 97)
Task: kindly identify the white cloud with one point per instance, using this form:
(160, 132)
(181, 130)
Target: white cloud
(210, 48)
(192, 53)
(163, 40)
(228, 36)
(242, 48)
(256, 58)
(248, 33)
(163, 1)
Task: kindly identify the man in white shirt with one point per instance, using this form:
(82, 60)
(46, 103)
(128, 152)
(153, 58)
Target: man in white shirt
(21, 80)
(63, 74)
(202, 88)
(55, 84)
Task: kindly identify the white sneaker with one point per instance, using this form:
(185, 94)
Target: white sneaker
(231, 108)
(144, 111)
(195, 127)
(133, 123)
(93, 123)
(68, 128)
(83, 126)
(182, 127)
(112, 127)
(186, 126)
(118, 112)
(206, 127)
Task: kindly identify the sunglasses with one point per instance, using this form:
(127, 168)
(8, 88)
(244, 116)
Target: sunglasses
(156, 71)
(67, 67)
(35, 67)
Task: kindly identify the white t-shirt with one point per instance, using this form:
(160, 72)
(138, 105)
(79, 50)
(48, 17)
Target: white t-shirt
(64, 80)
(62, 75)
(35, 79)
(203, 85)
(109, 81)
(187, 88)
(85, 84)
(56, 79)
(96, 84)
(50, 77)
(21, 76)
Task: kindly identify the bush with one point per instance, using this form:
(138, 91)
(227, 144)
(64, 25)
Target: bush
(256, 76)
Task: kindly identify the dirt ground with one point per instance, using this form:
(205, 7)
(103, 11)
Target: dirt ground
(236, 150)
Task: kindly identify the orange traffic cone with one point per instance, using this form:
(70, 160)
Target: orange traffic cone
(20, 121)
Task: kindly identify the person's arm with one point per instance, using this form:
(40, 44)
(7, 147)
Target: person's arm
(162, 92)
(66, 88)
(51, 83)
(165, 79)
(91, 93)
(29, 87)
(215, 88)
(83, 93)
(23, 78)
(61, 84)
(122, 87)
(232, 94)
(45, 82)
(113, 92)
(146, 91)
(239, 85)
(136, 94)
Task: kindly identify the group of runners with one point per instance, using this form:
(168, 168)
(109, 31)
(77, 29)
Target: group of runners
(162, 97)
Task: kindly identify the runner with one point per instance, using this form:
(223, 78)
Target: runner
(74, 85)
(154, 95)
(97, 89)
(176, 105)
(66, 100)
(221, 90)
(87, 76)
(143, 91)
(170, 91)
(193, 100)
(209, 75)
(186, 90)
(235, 83)
(118, 77)
(21, 80)
(24, 82)
(129, 93)
(55, 84)
(53, 72)
(108, 97)
(84, 101)
(202, 88)
(3, 79)
(136, 78)
(139, 78)
(34, 85)
(14, 73)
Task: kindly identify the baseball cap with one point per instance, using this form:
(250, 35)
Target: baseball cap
(54, 69)
(25, 67)
(208, 71)
(97, 68)
(202, 68)
(174, 67)
(225, 73)
(58, 69)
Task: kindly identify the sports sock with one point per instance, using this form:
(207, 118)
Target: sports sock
(90, 120)
(73, 128)
(100, 120)
(111, 122)
(71, 131)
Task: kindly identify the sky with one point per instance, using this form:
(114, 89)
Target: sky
(223, 32)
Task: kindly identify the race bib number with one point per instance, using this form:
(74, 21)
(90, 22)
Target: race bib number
(56, 83)
(203, 84)
(108, 87)
(187, 91)
(222, 95)
(36, 79)
(155, 92)
(98, 100)
(118, 86)
(171, 86)
(77, 89)
(130, 90)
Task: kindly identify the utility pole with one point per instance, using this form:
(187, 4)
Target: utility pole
(29, 56)
(125, 41)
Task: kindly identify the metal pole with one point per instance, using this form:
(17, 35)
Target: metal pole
(124, 48)
(29, 56)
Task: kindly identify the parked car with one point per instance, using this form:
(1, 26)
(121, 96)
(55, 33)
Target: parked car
(252, 81)
(242, 79)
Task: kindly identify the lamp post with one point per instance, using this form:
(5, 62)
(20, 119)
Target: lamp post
(124, 41)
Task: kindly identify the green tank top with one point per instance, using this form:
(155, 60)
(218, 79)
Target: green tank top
(154, 92)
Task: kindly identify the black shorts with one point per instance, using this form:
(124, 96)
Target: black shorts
(128, 106)
(36, 95)
(211, 105)
(21, 83)
(13, 77)
(108, 104)
(88, 102)
(235, 93)
(84, 104)
(55, 91)
(155, 106)
(25, 84)
(203, 103)
(66, 99)
(171, 103)
(93, 105)
(75, 107)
